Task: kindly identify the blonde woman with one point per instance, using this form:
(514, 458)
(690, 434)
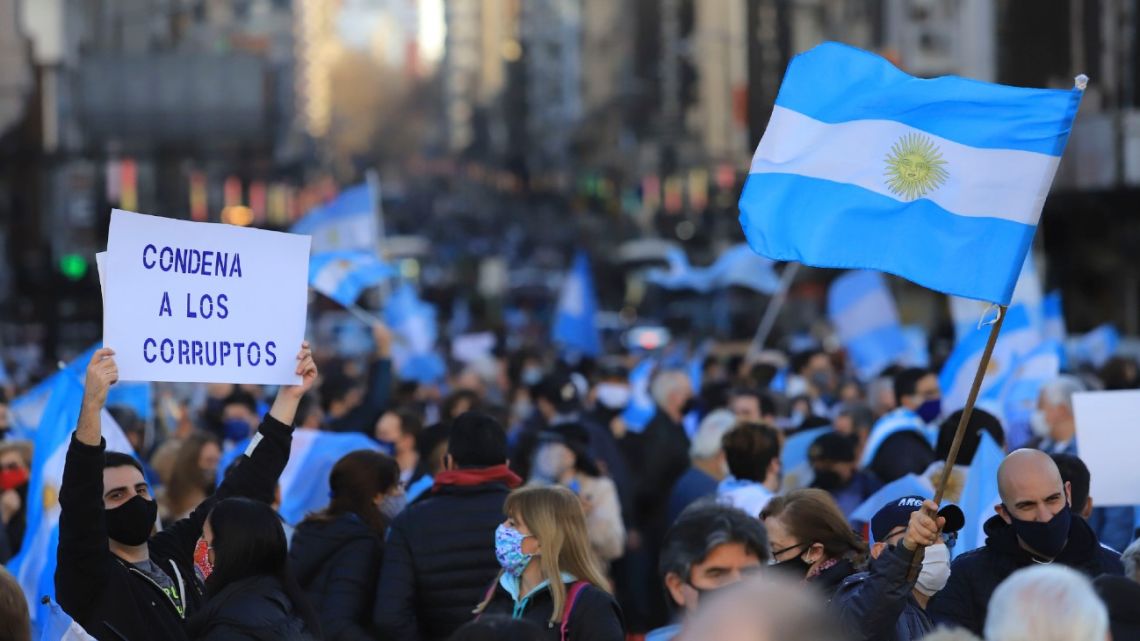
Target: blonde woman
(550, 574)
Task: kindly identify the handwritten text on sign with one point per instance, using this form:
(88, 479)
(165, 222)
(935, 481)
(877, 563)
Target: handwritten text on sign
(201, 302)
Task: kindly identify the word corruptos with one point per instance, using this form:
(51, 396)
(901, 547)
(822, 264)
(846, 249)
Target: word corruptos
(192, 261)
(209, 353)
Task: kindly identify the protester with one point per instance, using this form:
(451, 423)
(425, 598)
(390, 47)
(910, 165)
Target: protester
(193, 477)
(238, 417)
(752, 452)
(336, 553)
(439, 556)
(752, 406)
(884, 604)
(1130, 558)
(114, 576)
(708, 466)
(854, 420)
(15, 471)
(498, 628)
(399, 431)
(834, 470)
(1034, 525)
(900, 440)
(980, 421)
(14, 622)
(346, 405)
(1046, 603)
(767, 607)
(811, 540)
(709, 548)
(550, 575)
(563, 458)
(1053, 422)
(252, 593)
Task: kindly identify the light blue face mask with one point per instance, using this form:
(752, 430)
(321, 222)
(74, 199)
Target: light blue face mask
(508, 550)
(392, 505)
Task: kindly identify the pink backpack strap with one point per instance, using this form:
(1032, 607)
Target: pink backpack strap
(571, 596)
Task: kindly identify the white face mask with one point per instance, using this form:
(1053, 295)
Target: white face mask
(935, 570)
(1039, 425)
(613, 396)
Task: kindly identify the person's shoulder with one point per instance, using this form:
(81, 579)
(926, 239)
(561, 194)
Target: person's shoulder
(591, 599)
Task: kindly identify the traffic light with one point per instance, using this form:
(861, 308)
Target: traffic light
(73, 266)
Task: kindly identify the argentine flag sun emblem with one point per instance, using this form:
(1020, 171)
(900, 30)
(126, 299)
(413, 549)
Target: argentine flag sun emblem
(915, 167)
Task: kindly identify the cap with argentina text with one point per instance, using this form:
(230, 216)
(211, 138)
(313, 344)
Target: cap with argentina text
(897, 513)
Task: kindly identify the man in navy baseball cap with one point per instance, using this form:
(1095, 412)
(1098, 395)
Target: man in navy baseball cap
(883, 603)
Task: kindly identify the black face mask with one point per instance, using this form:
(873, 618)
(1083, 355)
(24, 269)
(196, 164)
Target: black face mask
(795, 567)
(1048, 539)
(131, 522)
(828, 480)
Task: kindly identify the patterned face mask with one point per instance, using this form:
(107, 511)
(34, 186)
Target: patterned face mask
(202, 559)
(508, 550)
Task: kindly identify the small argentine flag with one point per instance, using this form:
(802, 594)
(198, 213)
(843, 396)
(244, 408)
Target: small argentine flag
(939, 181)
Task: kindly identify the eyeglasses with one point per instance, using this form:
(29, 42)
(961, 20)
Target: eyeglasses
(776, 553)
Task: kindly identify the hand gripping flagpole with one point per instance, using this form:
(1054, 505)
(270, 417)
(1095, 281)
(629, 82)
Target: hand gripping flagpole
(960, 434)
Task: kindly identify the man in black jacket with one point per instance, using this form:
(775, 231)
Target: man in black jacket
(1034, 525)
(117, 580)
(439, 559)
(882, 604)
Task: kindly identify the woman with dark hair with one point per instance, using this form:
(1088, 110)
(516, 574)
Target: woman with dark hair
(252, 595)
(811, 539)
(337, 552)
(193, 478)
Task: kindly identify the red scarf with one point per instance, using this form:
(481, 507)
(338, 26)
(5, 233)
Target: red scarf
(477, 476)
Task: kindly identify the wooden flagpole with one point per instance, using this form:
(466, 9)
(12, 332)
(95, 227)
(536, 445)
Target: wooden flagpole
(960, 434)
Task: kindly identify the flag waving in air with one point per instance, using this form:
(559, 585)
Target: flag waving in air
(939, 181)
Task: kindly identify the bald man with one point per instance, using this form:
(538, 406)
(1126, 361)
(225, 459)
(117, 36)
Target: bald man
(1033, 525)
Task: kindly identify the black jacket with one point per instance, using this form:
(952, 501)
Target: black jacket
(827, 582)
(976, 574)
(363, 417)
(595, 615)
(336, 563)
(438, 561)
(109, 598)
(664, 448)
(879, 605)
(253, 609)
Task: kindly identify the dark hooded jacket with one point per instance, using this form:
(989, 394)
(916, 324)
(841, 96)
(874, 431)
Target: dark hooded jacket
(336, 563)
(976, 574)
(253, 609)
(879, 605)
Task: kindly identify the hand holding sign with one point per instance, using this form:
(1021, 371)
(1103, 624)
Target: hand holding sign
(102, 373)
(289, 397)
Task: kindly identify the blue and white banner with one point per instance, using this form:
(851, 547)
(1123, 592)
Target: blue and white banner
(739, 266)
(344, 275)
(1017, 339)
(940, 181)
(575, 326)
(1019, 392)
(980, 494)
(1095, 347)
(414, 322)
(349, 222)
(863, 312)
(34, 566)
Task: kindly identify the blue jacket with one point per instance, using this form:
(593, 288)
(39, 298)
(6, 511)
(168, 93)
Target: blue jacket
(879, 605)
(691, 487)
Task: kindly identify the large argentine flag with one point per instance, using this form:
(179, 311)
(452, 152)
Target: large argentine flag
(939, 181)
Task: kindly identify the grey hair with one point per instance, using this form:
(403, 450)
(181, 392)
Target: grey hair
(1131, 560)
(706, 442)
(667, 382)
(1060, 390)
(1046, 603)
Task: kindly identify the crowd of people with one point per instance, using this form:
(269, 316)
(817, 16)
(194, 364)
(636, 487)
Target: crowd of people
(517, 498)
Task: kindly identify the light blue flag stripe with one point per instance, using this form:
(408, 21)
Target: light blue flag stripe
(980, 494)
(909, 485)
(354, 201)
(821, 82)
(867, 230)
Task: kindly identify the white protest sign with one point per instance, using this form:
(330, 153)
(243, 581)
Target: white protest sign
(1108, 435)
(204, 302)
(101, 266)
